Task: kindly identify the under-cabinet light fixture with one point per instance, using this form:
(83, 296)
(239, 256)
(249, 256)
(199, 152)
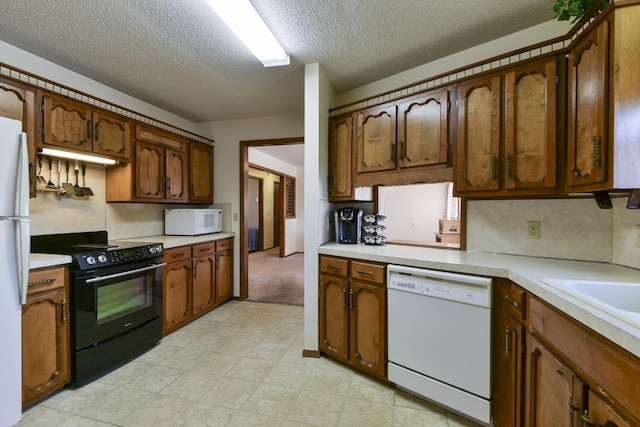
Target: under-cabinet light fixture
(244, 21)
(77, 156)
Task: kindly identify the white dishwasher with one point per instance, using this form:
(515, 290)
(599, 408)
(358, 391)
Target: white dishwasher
(439, 331)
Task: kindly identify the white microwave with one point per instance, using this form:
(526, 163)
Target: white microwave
(191, 222)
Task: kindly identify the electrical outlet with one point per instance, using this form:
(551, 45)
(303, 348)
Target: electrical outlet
(533, 229)
(638, 236)
(235, 217)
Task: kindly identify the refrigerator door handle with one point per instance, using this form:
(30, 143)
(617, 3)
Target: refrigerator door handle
(22, 181)
(23, 249)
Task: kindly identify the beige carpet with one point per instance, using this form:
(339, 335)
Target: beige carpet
(274, 279)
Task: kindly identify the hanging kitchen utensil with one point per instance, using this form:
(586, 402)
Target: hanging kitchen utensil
(41, 179)
(59, 173)
(85, 190)
(68, 187)
(50, 184)
(76, 188)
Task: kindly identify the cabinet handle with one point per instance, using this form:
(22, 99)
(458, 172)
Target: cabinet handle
(169, 183)
(572, 409)
(178, 255)
(494, 168)
(507, 342)
(89, 130)
(392, 152)
(508, 165)
(585, 419)
(350, 299)
(42, 282)
(97, 131)
(344, 297)
(204, 249)
(596, 151)
(401, 153)
(333, 267)
(368, 273)
(512, 301)
(64, 310)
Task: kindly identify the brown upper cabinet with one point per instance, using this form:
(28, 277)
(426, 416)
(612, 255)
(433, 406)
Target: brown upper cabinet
(524, 162)
(167, 168)
(77, 126)
(604, 89)
(423, 130)
(376, 140)
(200, 172)
(340, 158)
(18, 102)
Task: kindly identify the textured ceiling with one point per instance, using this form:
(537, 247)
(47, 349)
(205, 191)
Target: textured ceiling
(178, 55)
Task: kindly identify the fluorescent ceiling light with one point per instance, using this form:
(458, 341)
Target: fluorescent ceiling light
(244, 20)
(77, 156)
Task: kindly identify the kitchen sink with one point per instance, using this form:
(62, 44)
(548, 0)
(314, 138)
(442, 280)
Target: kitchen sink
(619, 299)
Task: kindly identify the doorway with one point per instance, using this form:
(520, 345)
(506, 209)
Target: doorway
(245, 202)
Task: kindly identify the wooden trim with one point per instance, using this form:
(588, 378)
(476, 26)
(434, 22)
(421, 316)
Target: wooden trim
(311, 353)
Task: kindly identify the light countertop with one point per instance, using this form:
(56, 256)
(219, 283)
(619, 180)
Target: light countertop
(528, 272)
(175, 241)
(52, 260)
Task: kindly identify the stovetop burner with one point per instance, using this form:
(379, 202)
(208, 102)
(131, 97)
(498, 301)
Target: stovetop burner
(93, 249)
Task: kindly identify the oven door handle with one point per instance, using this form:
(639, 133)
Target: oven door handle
(125, 273)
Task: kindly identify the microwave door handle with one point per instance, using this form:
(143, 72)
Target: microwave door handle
(125, 273)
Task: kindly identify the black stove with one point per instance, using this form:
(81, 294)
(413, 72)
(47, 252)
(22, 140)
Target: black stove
(116, 299)
(94, 250)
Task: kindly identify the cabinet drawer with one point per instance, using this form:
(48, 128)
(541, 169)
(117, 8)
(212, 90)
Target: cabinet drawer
(335, 266)
(46, 279)
(223, 245)
(374, 273)
(517, 298)
(204, 248)
(177, 254)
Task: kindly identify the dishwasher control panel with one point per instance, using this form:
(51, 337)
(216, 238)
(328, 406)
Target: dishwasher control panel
(439, 284)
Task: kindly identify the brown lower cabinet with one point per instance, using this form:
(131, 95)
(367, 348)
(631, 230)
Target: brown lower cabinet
(197, 278)
(550, 370)
(46, 360)
(353, 316)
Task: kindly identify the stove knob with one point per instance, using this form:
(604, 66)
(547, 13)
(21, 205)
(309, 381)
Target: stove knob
(152, 249)
(102, 258)
(91, 260)
(158, 248)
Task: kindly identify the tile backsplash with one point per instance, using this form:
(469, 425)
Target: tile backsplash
(570, 229)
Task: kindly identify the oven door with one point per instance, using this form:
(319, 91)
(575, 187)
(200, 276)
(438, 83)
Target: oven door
(113, 300)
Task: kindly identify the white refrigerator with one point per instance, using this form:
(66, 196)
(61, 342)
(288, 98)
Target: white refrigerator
(14, 264)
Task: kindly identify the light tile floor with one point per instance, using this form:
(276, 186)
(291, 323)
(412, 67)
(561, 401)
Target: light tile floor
(239, 365)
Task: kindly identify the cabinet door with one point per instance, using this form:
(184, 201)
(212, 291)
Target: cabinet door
(18, 103)
(334, 316)
(530, 127)
(67, 124)
(587, 112)
(507, 359)
(204, 273)
(224, 277)
(200, 172)
(340, 157)
(556, 396)
(367, 327)
(45, 344)
(177, 294)
(478, 135)
(150, 164)
(423, 130)
(600, 414)
(111, 136)
(176, 175)
(376, 136)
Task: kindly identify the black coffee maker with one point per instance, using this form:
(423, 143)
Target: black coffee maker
(348, 225)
